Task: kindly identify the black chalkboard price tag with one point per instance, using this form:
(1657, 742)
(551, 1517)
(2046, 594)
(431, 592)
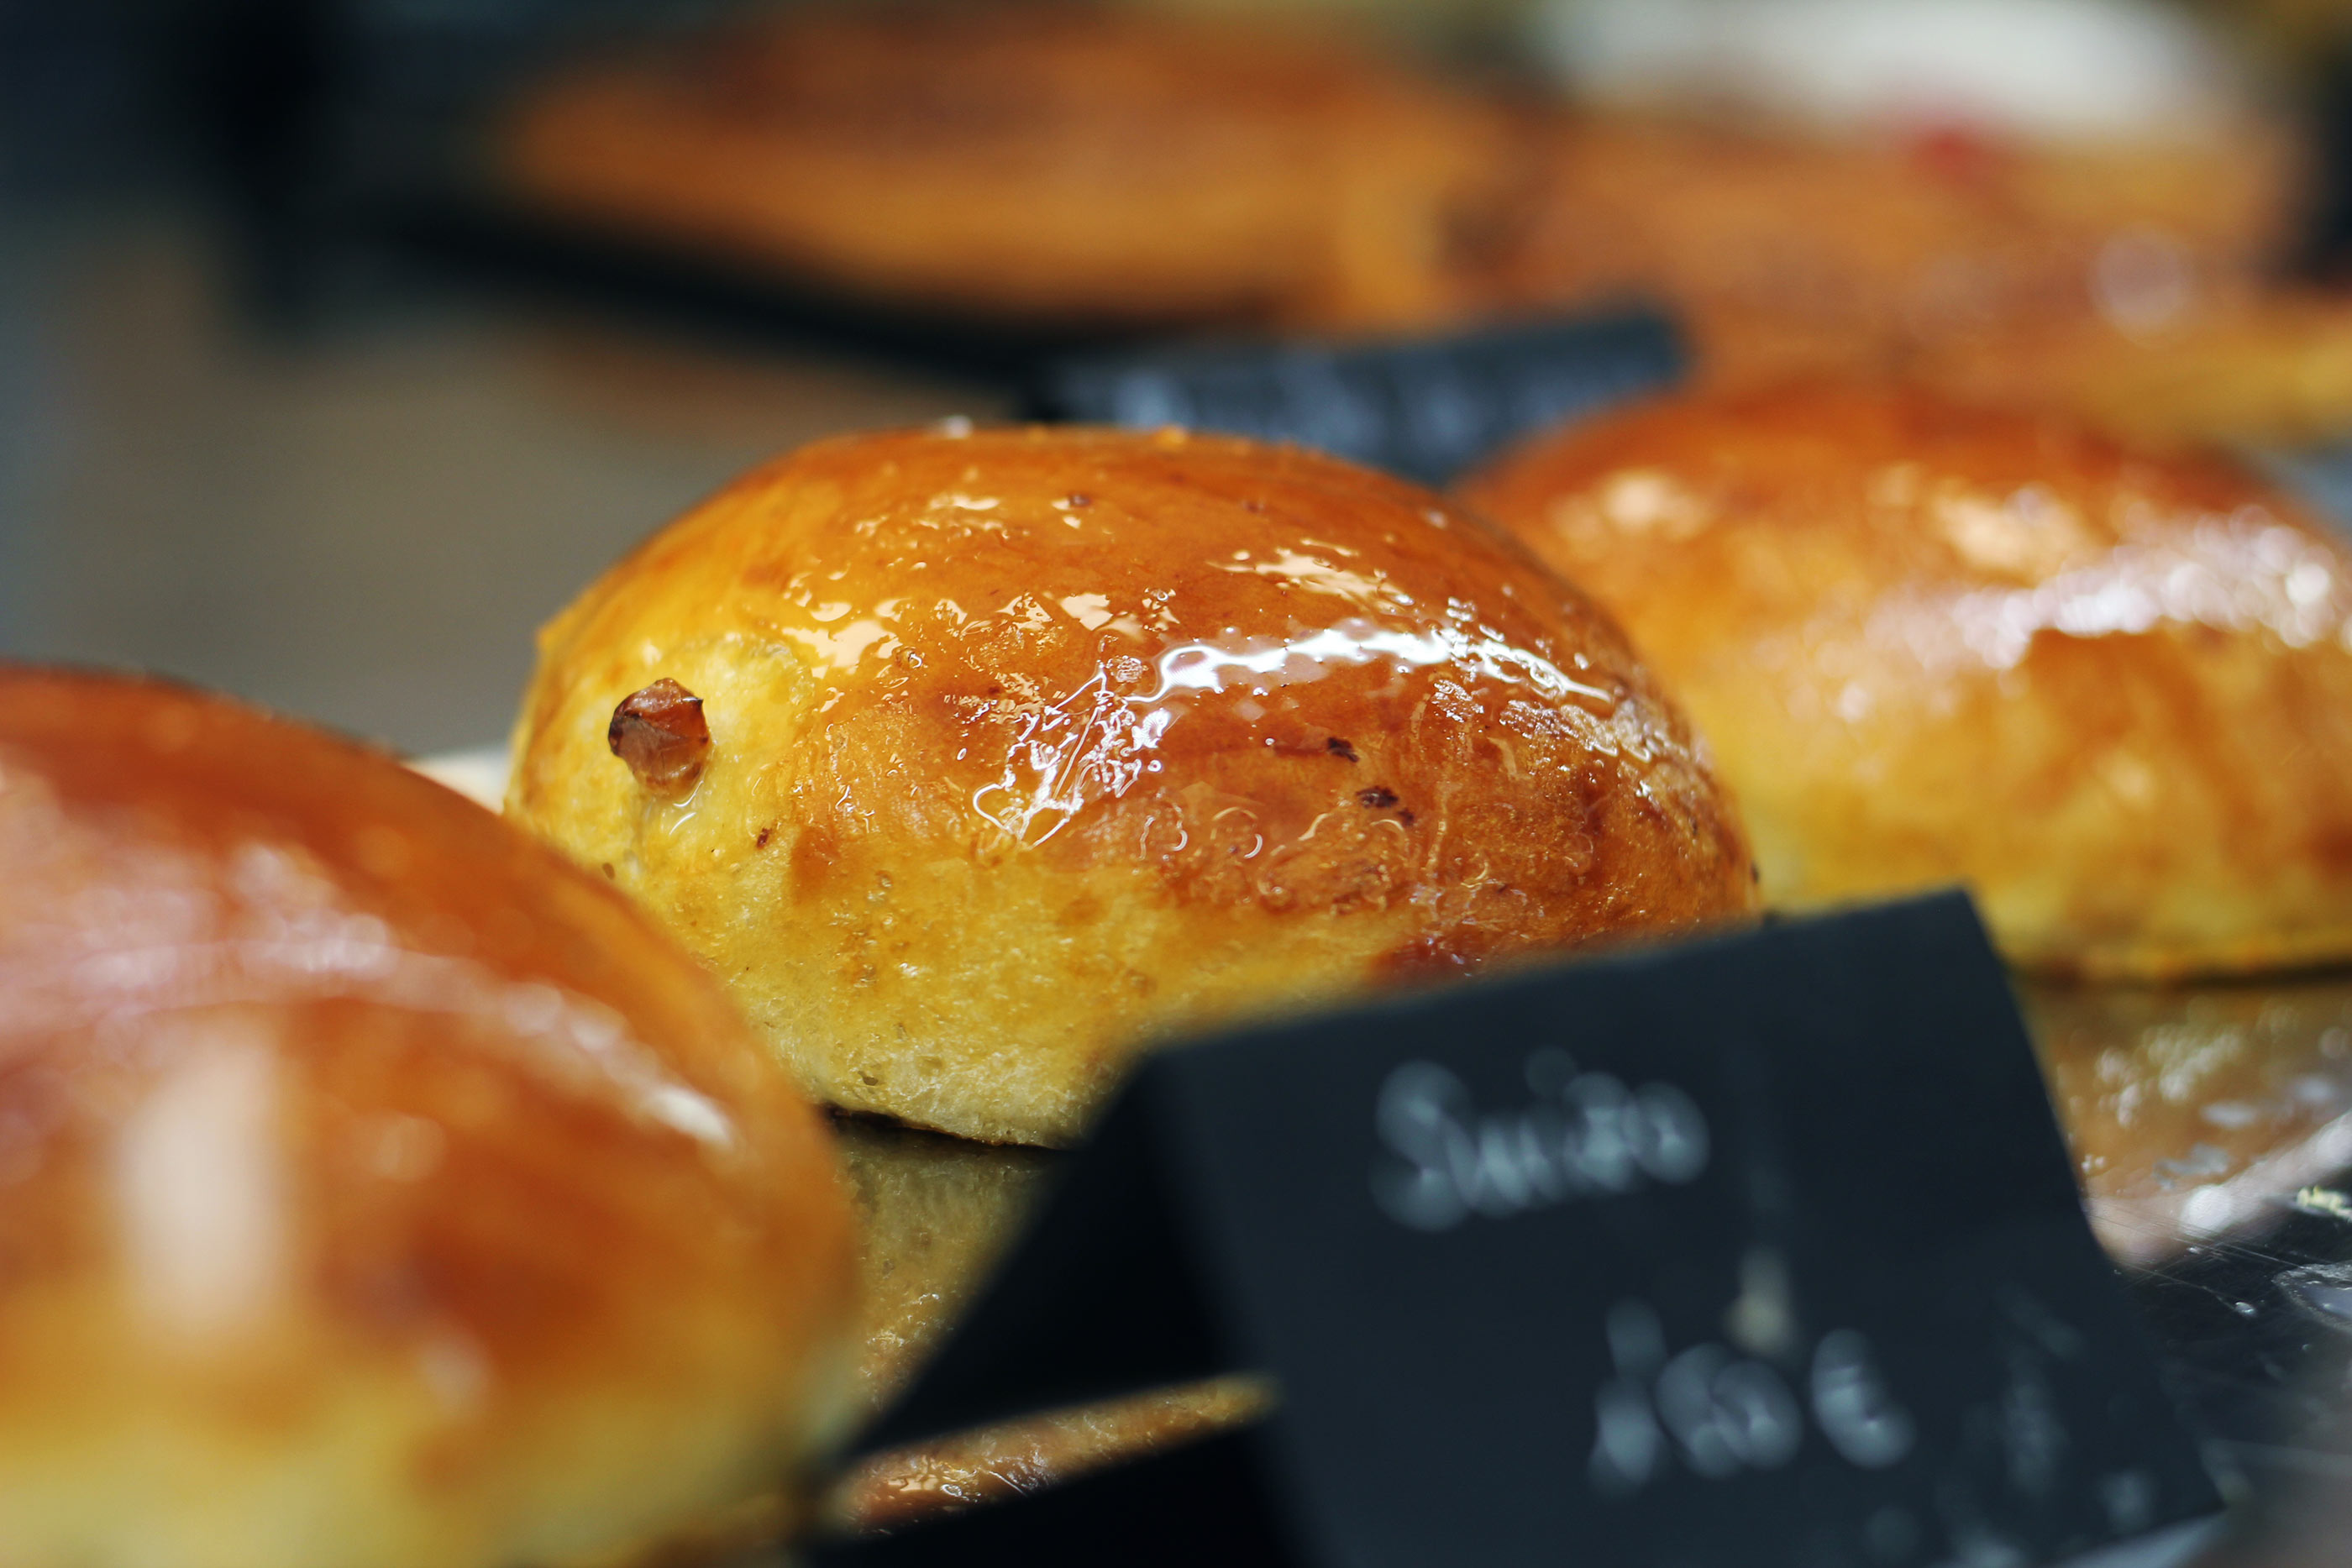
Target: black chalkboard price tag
(1762, 1251)
(1425, 408)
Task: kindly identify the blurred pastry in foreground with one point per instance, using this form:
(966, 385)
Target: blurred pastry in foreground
(973, 763)
(1051, 163)
(2111, 691)
(379, 1189)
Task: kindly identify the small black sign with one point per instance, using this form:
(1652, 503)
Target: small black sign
(1763, 1251)
(1426, 408)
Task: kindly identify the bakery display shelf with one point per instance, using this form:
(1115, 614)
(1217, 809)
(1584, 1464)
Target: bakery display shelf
(2211, 1125)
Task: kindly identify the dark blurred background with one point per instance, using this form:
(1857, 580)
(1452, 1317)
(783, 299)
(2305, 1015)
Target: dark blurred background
(245, 442)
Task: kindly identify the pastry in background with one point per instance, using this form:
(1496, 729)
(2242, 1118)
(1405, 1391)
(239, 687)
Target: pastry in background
(1813, 185)
(974, 762)
(1857, 186)
(1790, 250)
(1046, 164)
(2271, 371)
(376, 1189)
(2111, 691)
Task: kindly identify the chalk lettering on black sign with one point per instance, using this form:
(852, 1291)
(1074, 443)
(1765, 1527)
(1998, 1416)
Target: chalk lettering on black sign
(1720, 1413)
(1852, 1404)
(1587, 1135)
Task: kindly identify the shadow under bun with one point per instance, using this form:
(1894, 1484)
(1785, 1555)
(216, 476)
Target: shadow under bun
(376, 1189)
(973, 762)
(2112, 691)
(936, 1213)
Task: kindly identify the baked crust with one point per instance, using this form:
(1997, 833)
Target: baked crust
(375, 1189)
(1028, 746)
(2112, 692)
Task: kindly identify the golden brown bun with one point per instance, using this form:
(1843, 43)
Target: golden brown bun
(2112, 692)
(1028, 746)
(1053, 162)
(376, 1189)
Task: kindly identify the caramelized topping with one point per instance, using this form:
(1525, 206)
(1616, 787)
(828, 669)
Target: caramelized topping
(659, 732)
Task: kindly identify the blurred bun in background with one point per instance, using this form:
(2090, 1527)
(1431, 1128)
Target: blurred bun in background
(1793, 250)
(1018, 749)
(1047, 164)
(2110, 691)
(376, 1189)
(2273, 368)
(2038, 202)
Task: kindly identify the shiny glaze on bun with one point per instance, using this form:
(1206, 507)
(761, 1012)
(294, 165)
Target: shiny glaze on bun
(2111, 691)
(375, 1187)
(1029, 745)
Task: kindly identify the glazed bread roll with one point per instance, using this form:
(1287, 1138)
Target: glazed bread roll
(2112, 692)
(1046, 162)
(376, 1189)
(973, 762)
